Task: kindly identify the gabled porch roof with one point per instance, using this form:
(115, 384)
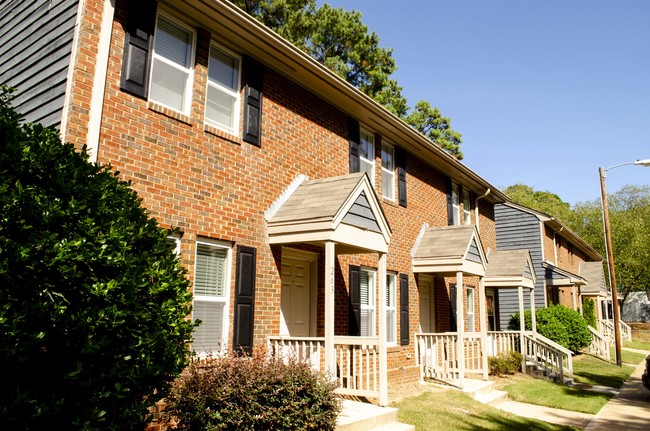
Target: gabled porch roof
(559, 277)
(594, 274)
(343, 209)
(510, 269)
(449, 250)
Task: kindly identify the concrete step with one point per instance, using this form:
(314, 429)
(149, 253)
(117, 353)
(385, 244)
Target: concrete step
(357, 416)
(477, 388)
(494, 398)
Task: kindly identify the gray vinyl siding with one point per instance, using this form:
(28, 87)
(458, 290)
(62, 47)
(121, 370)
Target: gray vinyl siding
(473, 254)
(519, 230)
(35, 46)
(360, 214)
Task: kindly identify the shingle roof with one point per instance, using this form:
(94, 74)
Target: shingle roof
(593, 273)
(508, 263)
(318, 199)
(448, 241)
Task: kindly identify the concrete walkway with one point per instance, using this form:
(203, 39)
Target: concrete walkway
(629, 410)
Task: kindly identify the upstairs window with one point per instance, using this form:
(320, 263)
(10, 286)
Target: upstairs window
(171, 71)
(387, 171)
(211, 293)
(223, 95)
(467, 208)
(367, 155)
(455, 204)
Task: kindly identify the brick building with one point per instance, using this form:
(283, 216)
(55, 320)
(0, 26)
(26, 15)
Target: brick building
(311, 219)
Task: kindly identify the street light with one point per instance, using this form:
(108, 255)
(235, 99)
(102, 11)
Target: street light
(610, 254)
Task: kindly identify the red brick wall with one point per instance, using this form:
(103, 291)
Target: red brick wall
(212, 184)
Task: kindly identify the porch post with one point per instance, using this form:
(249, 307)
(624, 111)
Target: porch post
(522, 328)
(573, 297)
(330, 356)
(460, 329)
(533, 317)
(483, 318)
(383, 360)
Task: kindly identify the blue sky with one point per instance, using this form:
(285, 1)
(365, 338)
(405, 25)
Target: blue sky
(544, 92)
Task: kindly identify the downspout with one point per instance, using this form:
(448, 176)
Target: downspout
(476, 211)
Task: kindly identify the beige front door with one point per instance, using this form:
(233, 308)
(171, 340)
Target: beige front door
(295, 298)
(427, 317)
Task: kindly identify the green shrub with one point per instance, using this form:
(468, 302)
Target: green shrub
(589, 312)
(93, 300)
(558, 323)
(504, 363)
(235, 392)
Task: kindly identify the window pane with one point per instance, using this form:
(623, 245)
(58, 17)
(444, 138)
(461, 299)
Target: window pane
(391, 326)
(367, 147)
(168, 85)
(387, 184)
(210, 272)
(208, 337)
(173, 42)
(223, 69)
(220, 108)
(387, 158)
(390, 290)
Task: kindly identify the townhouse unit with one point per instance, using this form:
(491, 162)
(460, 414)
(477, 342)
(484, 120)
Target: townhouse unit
(568, 269)
(311, 220)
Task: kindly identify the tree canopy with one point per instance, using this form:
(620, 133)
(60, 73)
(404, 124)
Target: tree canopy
(338, 39)
(93, 300)
(543, 201)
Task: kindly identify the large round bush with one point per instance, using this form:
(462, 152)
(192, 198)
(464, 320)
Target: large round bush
(93, 300)
(558, 323)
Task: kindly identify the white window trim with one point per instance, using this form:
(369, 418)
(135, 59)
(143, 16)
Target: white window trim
(470, 310)
(371, 307)
(455, 203)
(390, 173)
(226, 297)
(467, 208)
(391, 293)
(370, 161)
(235, 93)
(190, 71)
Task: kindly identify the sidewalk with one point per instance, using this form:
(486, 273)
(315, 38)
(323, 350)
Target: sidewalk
(629, 410)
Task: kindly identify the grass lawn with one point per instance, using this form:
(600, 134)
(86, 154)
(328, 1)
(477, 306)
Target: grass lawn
(545, 393)
(451, 410)
(627, 356)
(637, 345)
(595, 371)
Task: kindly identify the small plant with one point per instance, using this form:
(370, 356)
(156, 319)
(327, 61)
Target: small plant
(558, 323)
(257, 392)
(588, 312)
(504, 363)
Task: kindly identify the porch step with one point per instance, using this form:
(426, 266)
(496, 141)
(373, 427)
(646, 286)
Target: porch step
(533, 370)
(357, 416)
(483, 391)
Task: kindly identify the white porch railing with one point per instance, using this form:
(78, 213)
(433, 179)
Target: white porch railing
(502, 341)
(303, 349)
(437, 355)
(606, 327)
(357, 360)
(599, 344)
(549, 356)
(357, 363)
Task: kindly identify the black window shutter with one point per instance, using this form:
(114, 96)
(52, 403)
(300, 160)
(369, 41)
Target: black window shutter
(450, 203)
(140, 24)
(244, 300)
(401, 176)
(254, 73)
(354, 135)
(404, 327)
(354, 315)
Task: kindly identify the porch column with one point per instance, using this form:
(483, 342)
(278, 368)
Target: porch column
(383, 360)
(483, 319)
(522, 328)
(533, 317)
(574, 294)
(330, 354)
(460, 330)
